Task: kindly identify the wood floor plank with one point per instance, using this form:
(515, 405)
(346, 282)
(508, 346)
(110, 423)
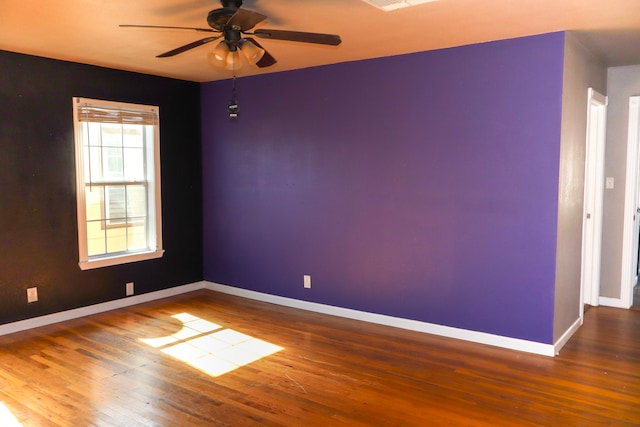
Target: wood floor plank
(102, 371)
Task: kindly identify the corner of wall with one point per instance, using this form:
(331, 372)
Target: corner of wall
(581, 70)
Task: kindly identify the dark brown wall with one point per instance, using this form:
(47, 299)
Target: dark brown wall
(38, 231)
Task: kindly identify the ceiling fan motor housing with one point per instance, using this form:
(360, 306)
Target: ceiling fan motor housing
(232, 37)
(218, 18)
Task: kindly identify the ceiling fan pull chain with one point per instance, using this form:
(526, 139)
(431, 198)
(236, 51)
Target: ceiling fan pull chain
(233, 104)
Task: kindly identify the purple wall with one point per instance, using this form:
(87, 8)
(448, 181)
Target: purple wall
(421, 186)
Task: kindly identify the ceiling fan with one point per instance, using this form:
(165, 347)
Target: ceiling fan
(233, 23)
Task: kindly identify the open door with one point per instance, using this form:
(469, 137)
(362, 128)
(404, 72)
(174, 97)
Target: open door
(593, 198)
(631, 227)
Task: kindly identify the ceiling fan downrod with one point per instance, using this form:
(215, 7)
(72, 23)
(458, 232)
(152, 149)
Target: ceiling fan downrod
(234, 4)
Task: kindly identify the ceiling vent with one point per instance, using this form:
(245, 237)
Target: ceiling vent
(388, 5)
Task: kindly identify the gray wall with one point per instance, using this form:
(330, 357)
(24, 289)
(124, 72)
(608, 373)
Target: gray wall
(622, 83)
(581, 71)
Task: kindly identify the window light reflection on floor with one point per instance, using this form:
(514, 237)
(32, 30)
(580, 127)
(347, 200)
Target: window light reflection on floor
(210, 347)
(7, 419)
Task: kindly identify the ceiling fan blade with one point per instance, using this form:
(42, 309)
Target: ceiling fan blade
(267, 60)
(299, 36)
(206, 30)
(189, 46)
(245, 19)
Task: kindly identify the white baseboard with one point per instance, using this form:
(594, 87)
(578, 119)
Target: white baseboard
(62, 316)
(612, 302)
(413, 325)
(566, 336)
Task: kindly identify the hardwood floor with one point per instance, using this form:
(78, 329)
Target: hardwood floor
(317, 370)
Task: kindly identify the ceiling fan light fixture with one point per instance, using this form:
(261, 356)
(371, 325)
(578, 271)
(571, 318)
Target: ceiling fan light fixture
(233, 60)
(218, 58)
(252, 52)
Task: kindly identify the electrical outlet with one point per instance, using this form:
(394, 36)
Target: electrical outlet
(32, 294)
(129, 288)
(307, 281)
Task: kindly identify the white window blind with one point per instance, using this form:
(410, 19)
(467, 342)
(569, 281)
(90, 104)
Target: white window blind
(99, 114)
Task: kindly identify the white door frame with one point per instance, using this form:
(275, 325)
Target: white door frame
(630, 228)
(593, 199)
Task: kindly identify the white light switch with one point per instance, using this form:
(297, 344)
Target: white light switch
(609, 183)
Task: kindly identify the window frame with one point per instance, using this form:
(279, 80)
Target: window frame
(152, 183)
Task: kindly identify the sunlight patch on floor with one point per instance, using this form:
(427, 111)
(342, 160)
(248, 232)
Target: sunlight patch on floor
(7, 419)
(211, 348)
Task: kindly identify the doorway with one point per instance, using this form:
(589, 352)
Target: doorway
(631, 226)
(593, 198)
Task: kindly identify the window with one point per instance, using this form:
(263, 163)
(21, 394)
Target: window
(118, 182)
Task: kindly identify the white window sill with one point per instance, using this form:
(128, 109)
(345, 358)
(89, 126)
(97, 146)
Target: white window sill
(119, 259)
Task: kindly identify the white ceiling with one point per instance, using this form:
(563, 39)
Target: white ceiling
(87, 30)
